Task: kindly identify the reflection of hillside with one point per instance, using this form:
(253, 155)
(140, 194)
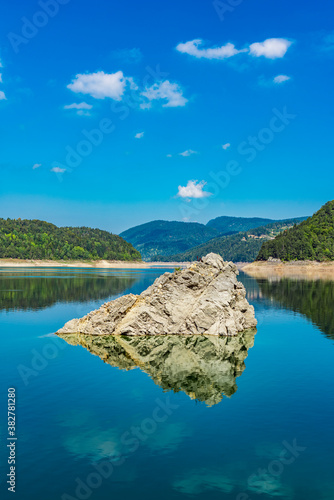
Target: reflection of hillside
(314, 299)
(45, 289)
(204, 367)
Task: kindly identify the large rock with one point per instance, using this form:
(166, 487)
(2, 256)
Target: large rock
(204, 298)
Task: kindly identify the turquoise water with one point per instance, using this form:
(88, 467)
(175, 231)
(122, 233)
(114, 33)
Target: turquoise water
(240, 419)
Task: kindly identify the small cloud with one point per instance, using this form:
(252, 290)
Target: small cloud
(81, 105)
(81, 108)
(0, 78)
(188, 152)
(128, 55)
(37, 165)
(272, 48)
(193, 189)
(139, 135)
(169, 155)
(167, 91)
(193, 48)
(226, 146)
(58, 170)
(2, 96)
(145, 105)
(100, 84)
(281, 78)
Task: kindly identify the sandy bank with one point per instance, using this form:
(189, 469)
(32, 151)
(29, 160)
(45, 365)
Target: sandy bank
(295, 269)
(91, 264)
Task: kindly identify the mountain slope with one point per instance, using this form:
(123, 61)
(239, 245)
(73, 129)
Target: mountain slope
(162, 237)
(35, 239)
(313, 239)
(226, 224)
(240, 247)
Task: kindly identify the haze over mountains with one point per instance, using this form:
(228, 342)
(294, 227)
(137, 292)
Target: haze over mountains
(183, 241)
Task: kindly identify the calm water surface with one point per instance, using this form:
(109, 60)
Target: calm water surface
(168, 418)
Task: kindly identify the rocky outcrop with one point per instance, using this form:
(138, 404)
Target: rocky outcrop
(204, 298)
(203, 367)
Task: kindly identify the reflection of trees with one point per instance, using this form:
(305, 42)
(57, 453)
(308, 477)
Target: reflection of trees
(204, 367)
(313, 299)
(18, 292)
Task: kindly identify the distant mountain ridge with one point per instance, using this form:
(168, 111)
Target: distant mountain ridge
(238, 247)
(313, 239)
(226, 224)
(166, 238)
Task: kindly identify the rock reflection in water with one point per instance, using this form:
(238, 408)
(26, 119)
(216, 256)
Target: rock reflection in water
(204, 367)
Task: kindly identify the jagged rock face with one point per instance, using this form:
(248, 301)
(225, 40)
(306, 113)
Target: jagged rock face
(204, 367)
(204, 298)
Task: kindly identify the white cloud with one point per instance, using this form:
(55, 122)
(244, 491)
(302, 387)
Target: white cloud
(193, 189)
(281, 78)
(81, 105)
(81, 108)
(188, 152)
(226, 146)
(169, 156)
(223, 52)
(37, 165)
(58, 170)
(0, 78)
(145, 105)
(272, 48)
(101, 85)
(167, 91)
(139, 135)
(2, 96)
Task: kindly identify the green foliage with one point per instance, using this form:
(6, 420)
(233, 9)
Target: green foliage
(240, 247)
(35, 239)
(166, 238)
(313, 239)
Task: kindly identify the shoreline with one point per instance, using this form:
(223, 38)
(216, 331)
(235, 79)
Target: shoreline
(98, 264)
(293, 269)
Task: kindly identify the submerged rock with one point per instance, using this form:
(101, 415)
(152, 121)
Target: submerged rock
(204, 298)
(204, 367)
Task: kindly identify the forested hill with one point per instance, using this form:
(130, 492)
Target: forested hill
(240, 247)
(313, 239)
(161, 237)
(35, 239)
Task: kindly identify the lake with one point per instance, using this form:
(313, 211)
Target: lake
(169, 418)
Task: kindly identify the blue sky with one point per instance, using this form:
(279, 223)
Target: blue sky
(117, 113)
